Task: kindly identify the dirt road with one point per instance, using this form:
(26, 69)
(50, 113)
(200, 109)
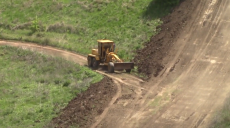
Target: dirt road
(191, 86)
(195, 78)
(201, 69)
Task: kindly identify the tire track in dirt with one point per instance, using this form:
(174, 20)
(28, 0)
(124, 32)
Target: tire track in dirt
(213, 28)
(210, 59)
(102, 116)
(200, 50)
(138, 115)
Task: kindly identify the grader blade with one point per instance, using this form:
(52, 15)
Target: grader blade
(123, 65)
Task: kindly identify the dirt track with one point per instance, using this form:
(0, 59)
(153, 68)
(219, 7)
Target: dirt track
(194, 51)
(195, 81)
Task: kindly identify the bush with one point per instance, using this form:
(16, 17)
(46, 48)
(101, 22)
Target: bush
(35, 26)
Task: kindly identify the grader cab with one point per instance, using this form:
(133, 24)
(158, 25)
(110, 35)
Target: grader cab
(105, 55)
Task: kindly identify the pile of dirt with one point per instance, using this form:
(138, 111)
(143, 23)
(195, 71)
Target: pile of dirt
(149, 59)
(83, 109)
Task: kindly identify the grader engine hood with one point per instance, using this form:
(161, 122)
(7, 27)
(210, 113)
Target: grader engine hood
(95, 51)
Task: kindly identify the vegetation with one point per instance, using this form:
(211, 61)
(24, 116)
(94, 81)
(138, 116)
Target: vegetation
(35, 87)
(76, 25)
(222, 118)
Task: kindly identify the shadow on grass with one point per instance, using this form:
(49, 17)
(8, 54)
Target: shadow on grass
(158, 9)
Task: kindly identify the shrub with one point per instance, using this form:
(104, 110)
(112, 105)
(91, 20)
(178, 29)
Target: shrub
(35, 26)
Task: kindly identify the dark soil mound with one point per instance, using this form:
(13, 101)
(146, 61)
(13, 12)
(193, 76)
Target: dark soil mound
(83, 109)
(149, 59)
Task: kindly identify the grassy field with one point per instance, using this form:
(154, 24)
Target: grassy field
(35, 87)
(76, 25)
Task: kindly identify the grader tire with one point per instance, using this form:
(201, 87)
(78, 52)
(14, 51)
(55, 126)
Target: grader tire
(90, 63)
(111, 67)
(95, 64)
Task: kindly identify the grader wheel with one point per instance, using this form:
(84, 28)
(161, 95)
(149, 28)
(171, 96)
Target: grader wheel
(110, 67)
(95, 64)
(90, 63)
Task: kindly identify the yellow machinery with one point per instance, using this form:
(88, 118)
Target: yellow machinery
(105, 55)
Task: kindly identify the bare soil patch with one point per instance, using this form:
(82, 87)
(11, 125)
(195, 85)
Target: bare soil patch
(82, 110)
(150, 59)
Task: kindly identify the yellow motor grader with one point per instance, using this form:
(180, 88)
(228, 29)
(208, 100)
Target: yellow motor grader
(105, 55)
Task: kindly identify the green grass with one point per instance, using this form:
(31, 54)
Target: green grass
(222, 118)
(35, 87)
(77, 24)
